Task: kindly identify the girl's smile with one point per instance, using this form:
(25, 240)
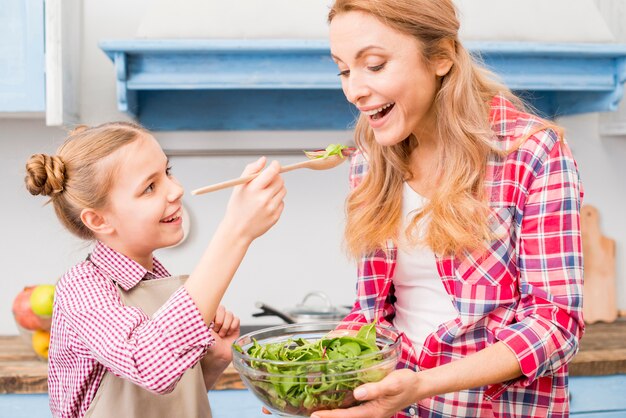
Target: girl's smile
(145, 210)
(175, 219)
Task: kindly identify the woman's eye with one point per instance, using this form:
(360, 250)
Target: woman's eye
(344, 73)
(168, 171)
(149, 189)
(376, 67)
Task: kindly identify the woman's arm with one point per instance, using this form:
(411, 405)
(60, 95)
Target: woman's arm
(404, 387)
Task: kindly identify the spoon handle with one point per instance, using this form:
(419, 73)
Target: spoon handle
(223, 185)
(241, 180)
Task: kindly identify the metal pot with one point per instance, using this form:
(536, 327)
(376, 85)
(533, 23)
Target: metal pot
(304, 312)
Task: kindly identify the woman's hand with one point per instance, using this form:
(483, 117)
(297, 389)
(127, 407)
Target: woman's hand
(219, 355)
(255, 207)
(392, 394)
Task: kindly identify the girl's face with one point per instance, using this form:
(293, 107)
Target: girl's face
(383, 74)
(145, 209)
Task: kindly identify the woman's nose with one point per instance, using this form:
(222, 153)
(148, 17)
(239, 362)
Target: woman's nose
(355, 88)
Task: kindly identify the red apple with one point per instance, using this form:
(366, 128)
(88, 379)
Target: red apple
(24, 315)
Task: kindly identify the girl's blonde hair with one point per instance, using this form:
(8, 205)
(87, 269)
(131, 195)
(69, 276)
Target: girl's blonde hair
(457, 211)
(79, 176)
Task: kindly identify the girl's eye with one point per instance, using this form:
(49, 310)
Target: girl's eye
(376, 68)
(149, 189)
(344, 73)
(168, 171)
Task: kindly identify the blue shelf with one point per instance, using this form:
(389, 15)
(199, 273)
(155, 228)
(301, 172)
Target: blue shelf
(292, 84)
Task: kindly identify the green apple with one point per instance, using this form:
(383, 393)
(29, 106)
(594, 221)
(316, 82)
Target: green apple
(42, 299)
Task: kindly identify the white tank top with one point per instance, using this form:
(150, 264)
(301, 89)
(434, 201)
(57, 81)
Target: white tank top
(422, 302)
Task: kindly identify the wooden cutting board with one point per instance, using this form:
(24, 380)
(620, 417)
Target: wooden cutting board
(599, 297)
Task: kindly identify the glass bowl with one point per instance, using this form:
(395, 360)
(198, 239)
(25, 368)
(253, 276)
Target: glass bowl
(299, 387)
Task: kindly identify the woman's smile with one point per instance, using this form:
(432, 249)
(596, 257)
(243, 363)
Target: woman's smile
(384, 75)
(378, 116)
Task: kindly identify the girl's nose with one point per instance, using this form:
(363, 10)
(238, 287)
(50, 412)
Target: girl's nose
(175, 191)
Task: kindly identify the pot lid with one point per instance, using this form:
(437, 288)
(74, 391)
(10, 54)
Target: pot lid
(323, 309)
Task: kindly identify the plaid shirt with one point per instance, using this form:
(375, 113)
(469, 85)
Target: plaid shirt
(525, 292)
(94, 332)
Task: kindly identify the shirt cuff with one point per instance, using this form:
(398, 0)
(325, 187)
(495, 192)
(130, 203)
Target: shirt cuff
(529, 343)
(182, 324)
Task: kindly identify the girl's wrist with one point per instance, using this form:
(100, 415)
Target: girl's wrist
(232, 231)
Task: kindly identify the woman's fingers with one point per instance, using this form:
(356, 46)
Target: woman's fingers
(361, 411)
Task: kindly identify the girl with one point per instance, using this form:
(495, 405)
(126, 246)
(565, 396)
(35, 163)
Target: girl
(465, 216)
(127, 340)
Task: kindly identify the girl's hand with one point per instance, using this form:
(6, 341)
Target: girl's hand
(392, 394)
(219, 356)
(255, 207)
(226, 324)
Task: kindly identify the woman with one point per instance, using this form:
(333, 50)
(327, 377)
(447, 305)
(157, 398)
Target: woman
(464, 215)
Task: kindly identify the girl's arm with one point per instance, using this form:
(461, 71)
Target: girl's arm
(253, 209)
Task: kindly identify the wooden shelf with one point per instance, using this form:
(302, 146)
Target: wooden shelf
(602, 352)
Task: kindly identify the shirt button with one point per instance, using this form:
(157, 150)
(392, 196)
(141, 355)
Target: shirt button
(412, 411)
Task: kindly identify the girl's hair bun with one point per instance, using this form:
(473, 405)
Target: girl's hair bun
(78, 129)
(45, 175)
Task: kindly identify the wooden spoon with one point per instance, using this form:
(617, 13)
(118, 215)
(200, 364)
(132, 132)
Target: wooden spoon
(324, 163)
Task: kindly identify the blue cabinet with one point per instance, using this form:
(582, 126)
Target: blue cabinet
(591, 397)
(22, 60)
(269, 84)
(598, 396)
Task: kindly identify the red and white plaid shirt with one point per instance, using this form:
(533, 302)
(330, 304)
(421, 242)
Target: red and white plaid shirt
(526, 291)
(94, 332)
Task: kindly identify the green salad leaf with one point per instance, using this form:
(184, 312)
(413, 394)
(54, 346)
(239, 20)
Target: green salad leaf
(297, 386)
(332, 149)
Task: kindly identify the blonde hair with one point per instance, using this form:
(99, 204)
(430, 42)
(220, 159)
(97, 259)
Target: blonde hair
(79, 176)
(457, 211)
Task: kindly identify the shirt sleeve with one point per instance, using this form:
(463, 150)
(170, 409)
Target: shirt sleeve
(151, 352)
(549, 320)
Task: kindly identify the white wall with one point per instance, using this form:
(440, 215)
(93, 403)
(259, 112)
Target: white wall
(303, 252)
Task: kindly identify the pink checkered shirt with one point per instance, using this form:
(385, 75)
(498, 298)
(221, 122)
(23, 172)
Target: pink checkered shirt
(93, 332)
(526, 291)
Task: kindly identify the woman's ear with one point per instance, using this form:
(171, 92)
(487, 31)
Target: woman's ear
(96, 222)
(444, 64)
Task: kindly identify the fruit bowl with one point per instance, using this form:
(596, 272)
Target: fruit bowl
(295, 370)
(38, 340)
(32, 310)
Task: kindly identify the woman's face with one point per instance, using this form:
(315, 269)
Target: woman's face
(145, 206)
(383, 74)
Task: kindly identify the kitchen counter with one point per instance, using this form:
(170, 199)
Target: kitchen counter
(602, 352)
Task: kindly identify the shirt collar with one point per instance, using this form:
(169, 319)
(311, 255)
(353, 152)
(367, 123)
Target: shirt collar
(126, 272)
(503, 116)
